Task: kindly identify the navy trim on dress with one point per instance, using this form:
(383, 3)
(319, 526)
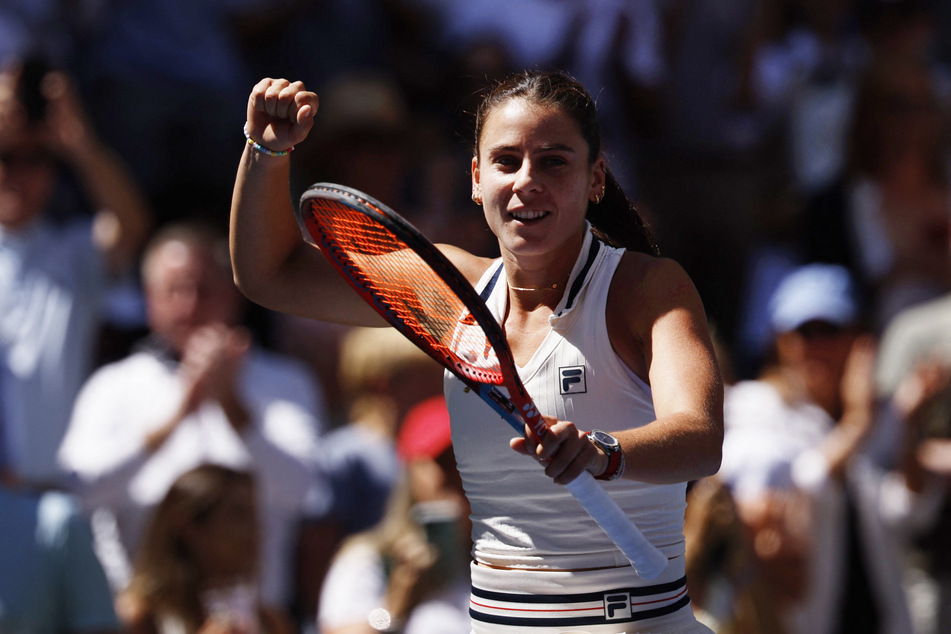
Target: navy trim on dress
(579, 281)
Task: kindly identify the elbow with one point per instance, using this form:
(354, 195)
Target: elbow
(249, 280)
(242, 283)
(713, 460)
(251, 288)
(712, 454)
(266, 281)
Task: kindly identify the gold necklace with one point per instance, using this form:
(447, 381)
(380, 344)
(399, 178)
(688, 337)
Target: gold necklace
(533, 290)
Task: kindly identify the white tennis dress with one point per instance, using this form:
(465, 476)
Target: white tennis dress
(531, 536)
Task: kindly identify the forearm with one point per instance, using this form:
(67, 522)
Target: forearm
(123, 219)
(264, 234)
(273, 266)
(845, 440)
(675, 448)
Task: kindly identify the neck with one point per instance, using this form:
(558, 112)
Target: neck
(546, 273)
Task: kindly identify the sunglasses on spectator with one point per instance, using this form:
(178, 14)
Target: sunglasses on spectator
(818, 329)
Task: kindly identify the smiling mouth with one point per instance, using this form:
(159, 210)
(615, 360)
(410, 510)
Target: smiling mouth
(528, 215)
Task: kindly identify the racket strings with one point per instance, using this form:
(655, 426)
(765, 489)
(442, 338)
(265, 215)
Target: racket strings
(402, 283)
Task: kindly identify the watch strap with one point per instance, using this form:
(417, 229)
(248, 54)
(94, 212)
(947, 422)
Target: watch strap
(615, 456)
(615, 467)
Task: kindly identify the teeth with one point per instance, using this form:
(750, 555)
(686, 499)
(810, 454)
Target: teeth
(527, 214)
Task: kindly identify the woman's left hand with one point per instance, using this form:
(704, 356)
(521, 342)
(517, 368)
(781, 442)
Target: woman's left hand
(564, 451)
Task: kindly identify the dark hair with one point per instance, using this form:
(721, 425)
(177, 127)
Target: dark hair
(166, 578)
(614, 220)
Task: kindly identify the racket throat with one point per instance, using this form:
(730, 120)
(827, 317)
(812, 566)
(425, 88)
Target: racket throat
(502, 401)
(499, 402)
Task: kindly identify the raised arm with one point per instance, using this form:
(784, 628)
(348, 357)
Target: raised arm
(123, 218)
(273, 266)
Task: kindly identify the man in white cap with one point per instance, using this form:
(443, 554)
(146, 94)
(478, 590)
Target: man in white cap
(792, 458)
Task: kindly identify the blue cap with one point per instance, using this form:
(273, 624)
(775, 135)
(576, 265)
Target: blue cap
(815, 292)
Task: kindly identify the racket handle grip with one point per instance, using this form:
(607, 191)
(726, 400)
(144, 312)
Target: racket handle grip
(646, 559)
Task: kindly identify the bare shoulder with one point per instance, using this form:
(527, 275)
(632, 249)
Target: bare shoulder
(652, 297)
(471, 266)
(645, 282)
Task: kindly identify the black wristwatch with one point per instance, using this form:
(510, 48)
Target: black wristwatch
(610, 446)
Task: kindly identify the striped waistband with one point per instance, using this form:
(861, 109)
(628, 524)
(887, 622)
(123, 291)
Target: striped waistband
(619, 605)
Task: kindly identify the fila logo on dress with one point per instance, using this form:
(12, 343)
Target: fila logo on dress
(572, 380)
(617, 606)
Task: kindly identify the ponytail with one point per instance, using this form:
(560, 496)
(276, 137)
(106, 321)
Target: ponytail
(616, 222)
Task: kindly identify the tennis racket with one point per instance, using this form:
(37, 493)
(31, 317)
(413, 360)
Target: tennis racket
(408, 281)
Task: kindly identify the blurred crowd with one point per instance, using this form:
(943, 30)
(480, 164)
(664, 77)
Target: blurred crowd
(174, 459)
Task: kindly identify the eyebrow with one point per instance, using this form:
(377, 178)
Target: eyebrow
(555, 147)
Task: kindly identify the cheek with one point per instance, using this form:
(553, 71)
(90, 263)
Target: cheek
(493, 218)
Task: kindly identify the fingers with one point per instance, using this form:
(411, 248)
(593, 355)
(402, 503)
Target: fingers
(279, 99)
(564, 452)
(920, 387)
(214, 349)
(307, 103)
(282, 100)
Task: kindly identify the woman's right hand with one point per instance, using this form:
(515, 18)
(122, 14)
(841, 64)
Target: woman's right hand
(280, 113)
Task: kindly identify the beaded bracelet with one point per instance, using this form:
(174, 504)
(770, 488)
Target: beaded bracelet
(264, 150)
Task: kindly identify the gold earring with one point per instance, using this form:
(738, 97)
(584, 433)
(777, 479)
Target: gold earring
(597, 199)
(477, 199)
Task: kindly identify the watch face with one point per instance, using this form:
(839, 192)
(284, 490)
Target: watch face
(605, 439)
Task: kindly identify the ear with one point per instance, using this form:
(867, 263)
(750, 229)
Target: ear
(599, 177)
(476, 188)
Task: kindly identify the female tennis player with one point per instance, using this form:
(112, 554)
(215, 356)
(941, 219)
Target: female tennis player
(610, 339)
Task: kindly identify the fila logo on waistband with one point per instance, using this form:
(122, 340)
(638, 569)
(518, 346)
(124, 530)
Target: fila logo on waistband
(571, 380)
(617, 606)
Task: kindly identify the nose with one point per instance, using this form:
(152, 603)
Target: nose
(186, 303)
(525, 178)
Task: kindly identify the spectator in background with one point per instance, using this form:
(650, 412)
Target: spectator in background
(887, 220)
(861, 95)
(806, 70)
(410, 573)
(147, 62)
(50, 579)
(916, 351)
(793, 459)
(715, 155)
(196, 391)
(54, 264)
(196, 569)
(728, 587)
(382, 375)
